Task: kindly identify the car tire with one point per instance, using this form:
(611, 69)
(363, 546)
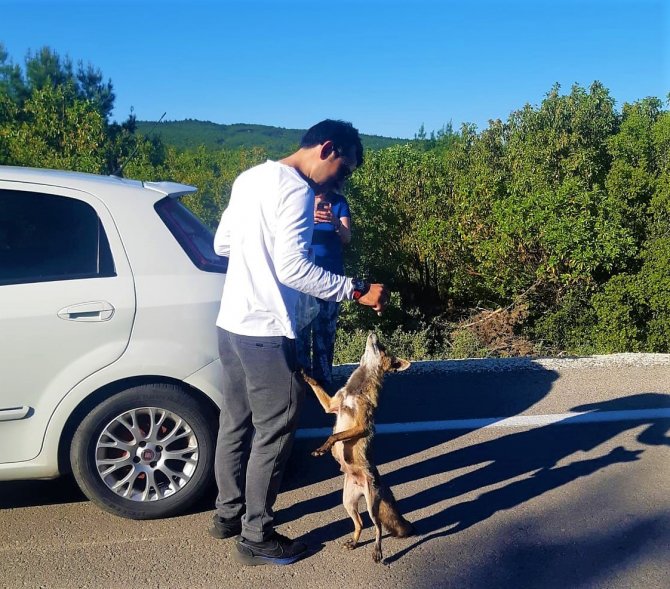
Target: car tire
(146, 452)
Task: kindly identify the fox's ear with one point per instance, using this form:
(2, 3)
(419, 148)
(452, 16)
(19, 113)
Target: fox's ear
(399, 364)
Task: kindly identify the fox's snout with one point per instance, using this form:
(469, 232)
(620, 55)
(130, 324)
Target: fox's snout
(372, 355)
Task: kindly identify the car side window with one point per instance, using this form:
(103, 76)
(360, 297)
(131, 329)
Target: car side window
(44, 237)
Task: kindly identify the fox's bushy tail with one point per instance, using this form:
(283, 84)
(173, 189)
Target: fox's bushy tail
(391, 518)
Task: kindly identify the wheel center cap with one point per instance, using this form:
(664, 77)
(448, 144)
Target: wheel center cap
(148, 455)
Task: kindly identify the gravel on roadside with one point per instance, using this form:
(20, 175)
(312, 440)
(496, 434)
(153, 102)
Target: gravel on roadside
(526, 363)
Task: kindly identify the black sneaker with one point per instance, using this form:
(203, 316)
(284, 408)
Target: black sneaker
(225, 528)
(277, 549)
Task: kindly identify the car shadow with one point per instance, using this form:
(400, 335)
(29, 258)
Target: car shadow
(15, 494)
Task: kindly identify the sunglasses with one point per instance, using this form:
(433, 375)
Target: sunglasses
(349, 166)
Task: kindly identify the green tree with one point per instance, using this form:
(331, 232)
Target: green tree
(213, 172)
(402, 218)
(55, 130)
(47, 69)
(634, 307)
(12, 87)
(67, 95)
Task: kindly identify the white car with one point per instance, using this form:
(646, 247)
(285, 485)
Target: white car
(109, 291)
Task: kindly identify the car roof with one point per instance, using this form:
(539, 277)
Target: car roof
(94, 183)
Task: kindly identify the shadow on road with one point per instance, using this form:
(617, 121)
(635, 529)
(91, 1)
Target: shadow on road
(406, 397)
(532, 454)
(586, 558)
(15, 494)
(409, 397)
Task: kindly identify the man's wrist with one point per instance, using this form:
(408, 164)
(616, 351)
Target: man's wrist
(361, 288)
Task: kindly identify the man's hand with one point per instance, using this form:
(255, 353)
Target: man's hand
(377, 298)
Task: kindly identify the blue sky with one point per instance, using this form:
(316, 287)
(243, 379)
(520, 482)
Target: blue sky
(386, 66)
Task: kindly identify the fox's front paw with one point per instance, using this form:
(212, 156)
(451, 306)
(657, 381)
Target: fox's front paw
(321, 451)
(350, 544)
(308, 379)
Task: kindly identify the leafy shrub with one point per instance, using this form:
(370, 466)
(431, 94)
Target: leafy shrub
(350, 345)
(465, 344)
(567, 328)
(634, 310)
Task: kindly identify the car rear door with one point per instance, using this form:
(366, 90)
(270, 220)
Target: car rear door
(67, 304)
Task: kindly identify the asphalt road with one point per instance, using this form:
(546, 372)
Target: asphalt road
(548, 502)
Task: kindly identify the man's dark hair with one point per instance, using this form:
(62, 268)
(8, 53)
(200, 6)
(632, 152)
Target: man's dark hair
(343, 135)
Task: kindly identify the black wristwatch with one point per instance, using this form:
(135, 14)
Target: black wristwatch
(361, 288)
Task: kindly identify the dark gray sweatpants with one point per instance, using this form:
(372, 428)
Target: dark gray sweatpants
(262, 396)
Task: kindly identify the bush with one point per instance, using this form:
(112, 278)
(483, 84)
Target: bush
(411, 345)
(465, 344)
(634, 310)
(622, 313)
(568, 328)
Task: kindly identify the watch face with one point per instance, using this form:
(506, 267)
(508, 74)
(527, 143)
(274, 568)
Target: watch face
(361, 287)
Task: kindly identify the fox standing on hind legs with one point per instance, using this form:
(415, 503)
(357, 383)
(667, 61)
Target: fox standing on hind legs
(354, 405)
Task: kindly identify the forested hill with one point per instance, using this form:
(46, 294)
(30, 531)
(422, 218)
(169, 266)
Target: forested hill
(276, 141)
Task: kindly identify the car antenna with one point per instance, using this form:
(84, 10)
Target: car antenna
(118, 170)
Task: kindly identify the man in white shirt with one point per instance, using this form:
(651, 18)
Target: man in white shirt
(266, 232)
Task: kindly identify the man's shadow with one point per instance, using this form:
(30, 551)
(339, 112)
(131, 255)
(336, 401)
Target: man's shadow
(531, 454)
(411, 397)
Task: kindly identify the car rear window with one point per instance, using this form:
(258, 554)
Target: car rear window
(192, 235)
(44, 237)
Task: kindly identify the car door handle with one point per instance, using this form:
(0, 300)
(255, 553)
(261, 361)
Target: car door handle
(93, 311)
(13, 413)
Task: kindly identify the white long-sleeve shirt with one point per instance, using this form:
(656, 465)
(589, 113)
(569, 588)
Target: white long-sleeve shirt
(266, 231)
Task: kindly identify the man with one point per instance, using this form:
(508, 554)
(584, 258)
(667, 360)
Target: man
(266, 232)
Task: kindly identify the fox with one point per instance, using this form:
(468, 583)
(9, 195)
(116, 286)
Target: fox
(354, 405)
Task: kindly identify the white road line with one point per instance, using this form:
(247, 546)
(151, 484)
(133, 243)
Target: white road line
(494, 422)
